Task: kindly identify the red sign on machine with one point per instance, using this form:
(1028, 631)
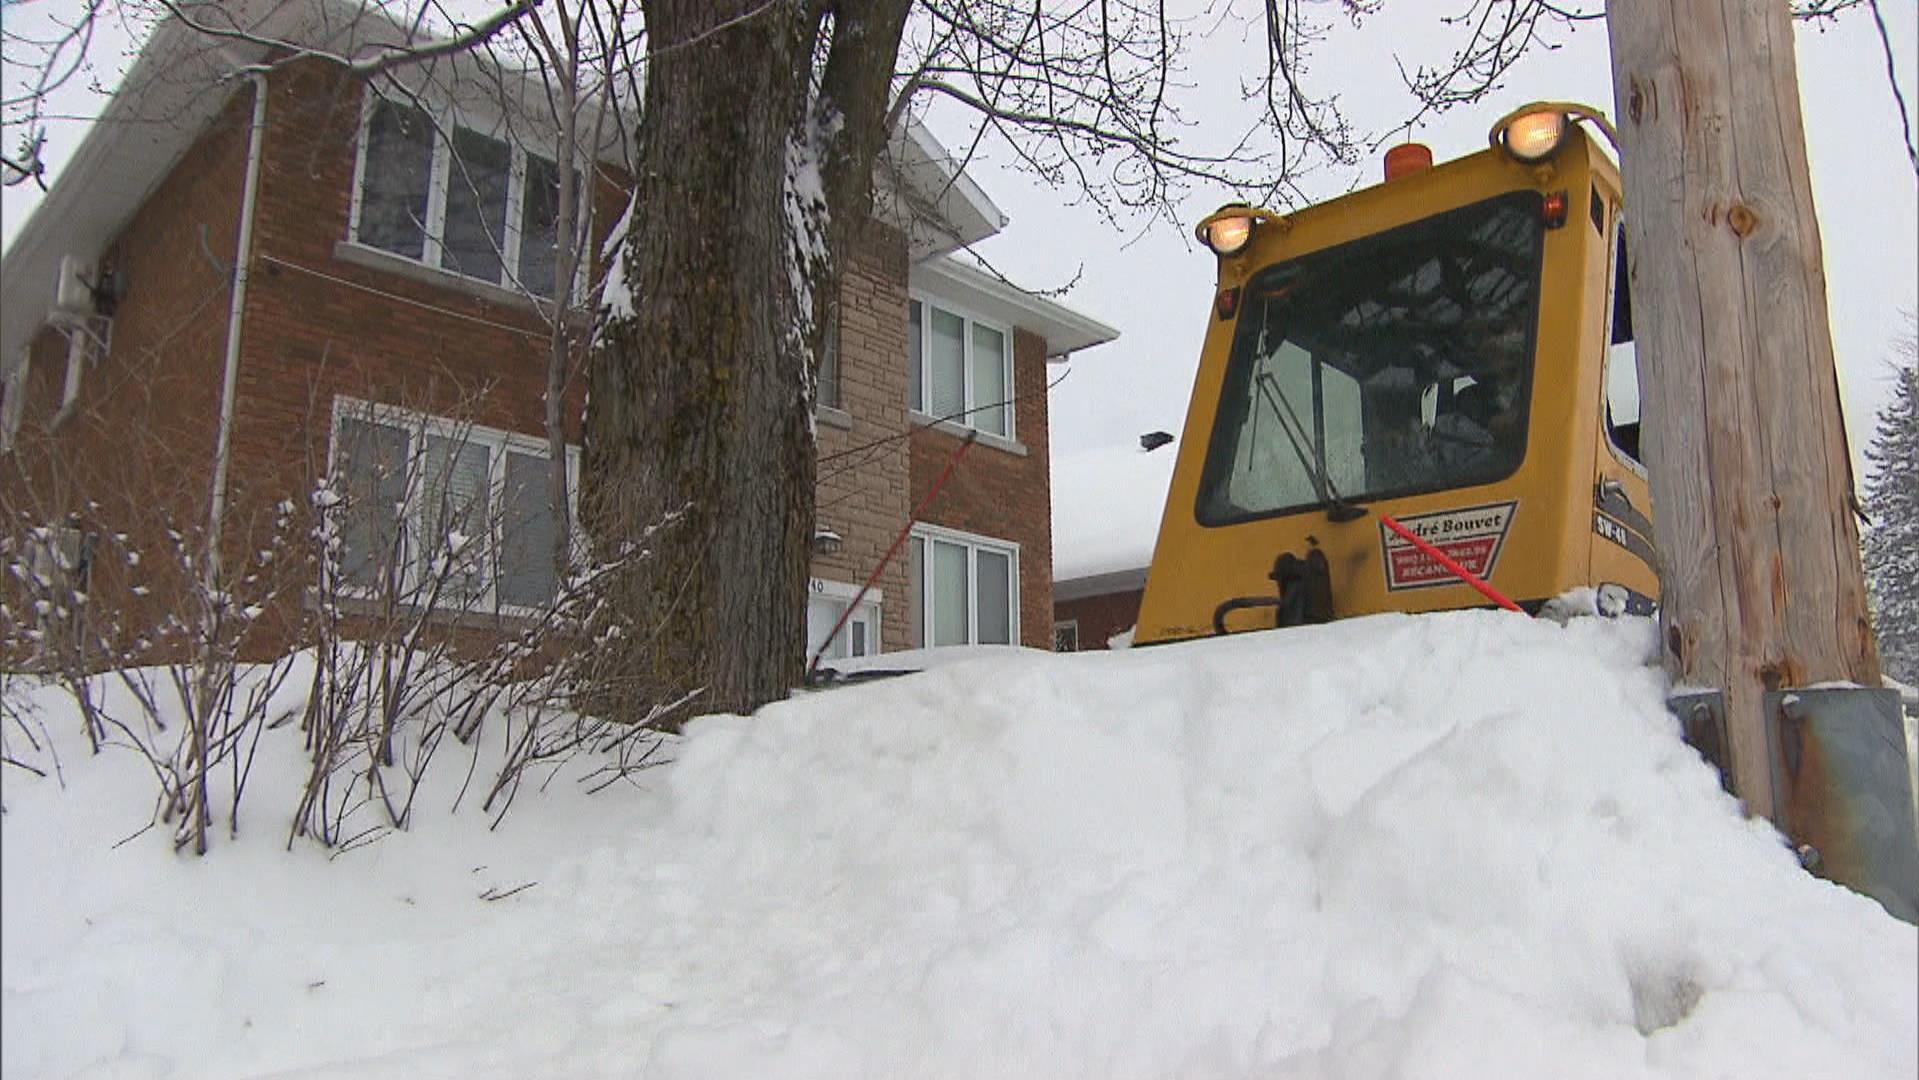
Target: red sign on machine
(1471, 537)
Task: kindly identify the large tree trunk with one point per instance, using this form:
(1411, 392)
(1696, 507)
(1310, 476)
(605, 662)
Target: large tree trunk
(698, 401)
(699, 420)
(1760, 580)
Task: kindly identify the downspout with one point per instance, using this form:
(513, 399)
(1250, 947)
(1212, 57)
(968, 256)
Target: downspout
(243, 256)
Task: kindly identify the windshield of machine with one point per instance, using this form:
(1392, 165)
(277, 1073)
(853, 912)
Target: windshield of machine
(1390, 365)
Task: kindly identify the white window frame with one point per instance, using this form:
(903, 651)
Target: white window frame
(868, 612)
(446, 120)
(974, 543)
(1068, 625)
(832, 346)
(498, 442)
(969, 319)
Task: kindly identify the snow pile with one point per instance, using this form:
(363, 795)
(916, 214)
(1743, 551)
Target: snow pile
(1106, 508)
(1468, 845)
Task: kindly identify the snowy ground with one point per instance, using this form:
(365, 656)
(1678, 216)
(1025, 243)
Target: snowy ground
(1464, 846)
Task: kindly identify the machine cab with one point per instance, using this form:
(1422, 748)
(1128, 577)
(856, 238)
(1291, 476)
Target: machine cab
(1436, 350)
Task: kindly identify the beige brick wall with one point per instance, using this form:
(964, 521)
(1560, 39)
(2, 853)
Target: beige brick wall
(863, 492)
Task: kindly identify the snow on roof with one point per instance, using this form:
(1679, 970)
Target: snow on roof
(1106, 510)
(1463, 845)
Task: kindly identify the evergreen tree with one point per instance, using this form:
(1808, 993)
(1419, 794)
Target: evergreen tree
(1892, 502)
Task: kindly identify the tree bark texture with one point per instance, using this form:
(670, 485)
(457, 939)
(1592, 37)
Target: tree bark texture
(1760, 577)
(700, 402)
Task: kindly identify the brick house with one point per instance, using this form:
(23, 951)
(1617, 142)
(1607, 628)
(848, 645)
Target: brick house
(391, 312)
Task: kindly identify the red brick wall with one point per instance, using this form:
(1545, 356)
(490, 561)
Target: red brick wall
(1002, 494)
(135, 459)
(1100, 617)
(315, 327)
(130, 458)
(318, 326)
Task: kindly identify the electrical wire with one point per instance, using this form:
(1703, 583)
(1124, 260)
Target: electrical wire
(869, 447)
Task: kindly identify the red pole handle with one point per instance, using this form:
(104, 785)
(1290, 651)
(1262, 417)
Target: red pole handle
(1447, 561)
(951, 463)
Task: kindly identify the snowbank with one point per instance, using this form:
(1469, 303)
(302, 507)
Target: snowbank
(1468, 845)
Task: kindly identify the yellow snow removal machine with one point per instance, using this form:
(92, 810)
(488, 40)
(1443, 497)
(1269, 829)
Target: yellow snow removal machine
(1415, 397)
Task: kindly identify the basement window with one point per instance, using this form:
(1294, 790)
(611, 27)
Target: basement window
(430, 189)
(434, 513)
(1066, 636)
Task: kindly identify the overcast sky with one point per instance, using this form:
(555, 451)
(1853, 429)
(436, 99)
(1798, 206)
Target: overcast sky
(1152, 282)
(1156, 286)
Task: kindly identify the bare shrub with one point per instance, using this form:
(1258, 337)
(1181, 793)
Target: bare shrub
(397, 605)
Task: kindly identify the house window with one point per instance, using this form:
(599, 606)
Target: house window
(1066, 636)
(829, 387)
(396, 170)
(444, 514)
(432, 190)
(964, 589)
(859, 636)
(959, 369)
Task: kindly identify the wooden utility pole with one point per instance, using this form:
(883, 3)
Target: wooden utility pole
(1761, 587)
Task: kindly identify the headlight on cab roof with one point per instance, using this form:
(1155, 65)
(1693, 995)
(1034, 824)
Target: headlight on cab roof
(1534, 133)
(1227, 230)
(1535, 136)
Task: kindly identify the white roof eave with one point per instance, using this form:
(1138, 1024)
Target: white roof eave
(1065, 330)
(123, 156)
(922, 190)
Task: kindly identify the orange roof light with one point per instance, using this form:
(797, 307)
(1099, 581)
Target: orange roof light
(1407, 159)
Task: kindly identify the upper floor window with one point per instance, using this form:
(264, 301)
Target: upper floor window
(432, 190)
(829, 381)
(959, 369)
(436, 513)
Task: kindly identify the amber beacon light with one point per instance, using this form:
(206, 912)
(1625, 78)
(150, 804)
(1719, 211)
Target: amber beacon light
(1407, 159)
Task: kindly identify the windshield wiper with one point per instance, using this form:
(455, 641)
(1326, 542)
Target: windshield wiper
(1337, 509)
